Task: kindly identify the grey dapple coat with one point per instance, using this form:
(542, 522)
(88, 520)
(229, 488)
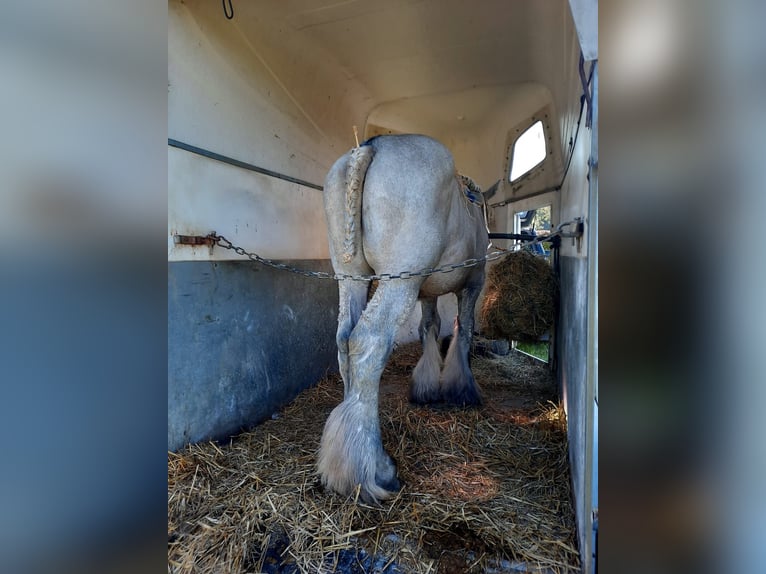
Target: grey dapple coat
(394, 204)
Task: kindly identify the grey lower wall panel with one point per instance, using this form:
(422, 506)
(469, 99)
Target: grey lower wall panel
(243, 340)
(572, 365)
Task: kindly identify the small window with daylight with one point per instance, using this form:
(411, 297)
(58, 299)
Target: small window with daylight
(528, 150)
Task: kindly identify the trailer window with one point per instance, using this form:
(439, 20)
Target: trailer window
(528, 151)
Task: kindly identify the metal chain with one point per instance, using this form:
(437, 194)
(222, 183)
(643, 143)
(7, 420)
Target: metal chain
(221, 241)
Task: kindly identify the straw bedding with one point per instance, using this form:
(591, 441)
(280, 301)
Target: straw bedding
(484, 490)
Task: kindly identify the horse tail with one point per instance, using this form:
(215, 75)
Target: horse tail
(358, 163)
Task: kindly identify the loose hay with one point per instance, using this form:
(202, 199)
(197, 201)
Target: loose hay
(484, 489)
(519, 300)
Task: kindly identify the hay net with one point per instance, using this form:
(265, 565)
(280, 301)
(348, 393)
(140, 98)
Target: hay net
(520, 298)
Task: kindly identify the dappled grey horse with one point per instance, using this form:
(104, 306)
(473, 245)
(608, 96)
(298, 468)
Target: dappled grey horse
(395, 204)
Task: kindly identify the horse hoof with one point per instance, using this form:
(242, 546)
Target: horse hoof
(425, 398)
(385, 475)
(465, 397)
(391, 485)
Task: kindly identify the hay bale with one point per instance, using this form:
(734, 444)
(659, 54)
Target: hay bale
(520, 298)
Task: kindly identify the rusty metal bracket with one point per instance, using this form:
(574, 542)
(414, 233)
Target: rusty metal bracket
(208, 240)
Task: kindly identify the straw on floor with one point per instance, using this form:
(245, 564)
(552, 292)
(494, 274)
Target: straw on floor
(483, 490)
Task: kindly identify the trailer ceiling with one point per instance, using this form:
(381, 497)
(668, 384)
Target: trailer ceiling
(401, 49)
(409, 48)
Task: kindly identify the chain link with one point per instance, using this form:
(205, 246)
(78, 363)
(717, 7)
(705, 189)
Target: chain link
(221, 241)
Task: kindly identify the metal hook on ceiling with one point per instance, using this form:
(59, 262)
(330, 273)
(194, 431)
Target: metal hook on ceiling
(230, 12)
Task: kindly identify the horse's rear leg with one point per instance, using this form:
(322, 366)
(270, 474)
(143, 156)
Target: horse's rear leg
(352, 299)
(425, 376)
(458, 385)
(351, 451)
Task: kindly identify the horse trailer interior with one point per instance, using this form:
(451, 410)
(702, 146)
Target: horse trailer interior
(265, 95)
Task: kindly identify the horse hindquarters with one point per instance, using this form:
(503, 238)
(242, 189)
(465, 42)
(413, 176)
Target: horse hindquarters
(392, 205)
